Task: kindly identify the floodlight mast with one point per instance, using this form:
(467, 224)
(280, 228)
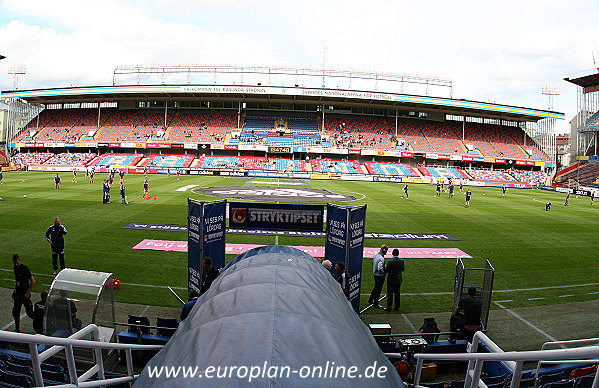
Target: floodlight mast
(17, 71)
(550, 91)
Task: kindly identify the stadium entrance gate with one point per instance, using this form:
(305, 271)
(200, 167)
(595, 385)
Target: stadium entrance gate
(482, 279)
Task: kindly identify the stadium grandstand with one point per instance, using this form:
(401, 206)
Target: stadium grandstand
(296, 129)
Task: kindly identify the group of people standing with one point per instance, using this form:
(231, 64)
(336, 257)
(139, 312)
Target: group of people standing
(107, 185)
(393, 271)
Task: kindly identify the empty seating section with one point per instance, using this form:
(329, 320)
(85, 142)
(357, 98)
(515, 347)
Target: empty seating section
(531, 177)
(392, 169)
(44, 118)
(31, 158)
(220, 162)
(117, 159)
(336, 167)
(503, 141)
(70, 159)
(587, 175)
(359, 133)
(442, 137)
(207, 128)
(280, 131)
(68, 125)
(132, 126)
(409, 134)
(443, 172)
(18, 372)
(168, 161)
(491, 175)
(252, 163)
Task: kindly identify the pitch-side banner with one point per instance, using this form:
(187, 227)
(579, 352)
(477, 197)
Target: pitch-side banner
(194, 238)
(357, 225)
(270, 216)
(205, 238)
(345, 242)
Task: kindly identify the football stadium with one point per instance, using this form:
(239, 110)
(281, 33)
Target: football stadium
(270, 173)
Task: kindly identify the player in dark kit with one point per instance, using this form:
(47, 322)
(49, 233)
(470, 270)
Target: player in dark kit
(503, 190)
(55, 236)
(468, 195)
(57, 182)
(405, 191)
(438, 193)
(146, 188)
(122, 192)
(21, 294)
(106, 192)
(451, 188)
(548, 206)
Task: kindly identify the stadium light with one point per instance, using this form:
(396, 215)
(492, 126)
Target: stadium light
(16, 71)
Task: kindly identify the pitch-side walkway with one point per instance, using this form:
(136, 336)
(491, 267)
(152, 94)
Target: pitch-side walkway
(525, 328)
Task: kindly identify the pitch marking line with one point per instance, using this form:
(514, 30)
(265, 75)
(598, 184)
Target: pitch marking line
(528, 323)
(536, 298)
(405, 318)
(185, 188)
(12, 323)
(403, 293)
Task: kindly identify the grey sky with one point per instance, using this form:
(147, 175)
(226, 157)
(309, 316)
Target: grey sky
(500, 51)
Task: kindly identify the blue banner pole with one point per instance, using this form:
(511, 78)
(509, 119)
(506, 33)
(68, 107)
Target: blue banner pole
(194, 246)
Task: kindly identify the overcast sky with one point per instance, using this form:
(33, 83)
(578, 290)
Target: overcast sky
(501, 51)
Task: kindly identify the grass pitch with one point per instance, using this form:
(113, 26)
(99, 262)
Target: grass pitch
(540, 257)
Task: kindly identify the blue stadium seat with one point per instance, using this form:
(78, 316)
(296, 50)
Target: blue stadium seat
(583, 381)
(549, 378)
(558, 384)
(167, 322)
(11, 379)
(494, 379)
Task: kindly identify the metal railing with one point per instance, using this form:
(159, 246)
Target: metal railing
(68, 345)
(512, 360)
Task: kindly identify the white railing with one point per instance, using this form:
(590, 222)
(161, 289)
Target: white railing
(564, 344)
(512, 360)
(68, 345)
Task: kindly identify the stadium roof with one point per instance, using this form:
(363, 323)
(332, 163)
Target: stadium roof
(588, 80)
(300, 95)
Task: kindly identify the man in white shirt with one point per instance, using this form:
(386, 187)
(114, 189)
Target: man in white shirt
(378, 270)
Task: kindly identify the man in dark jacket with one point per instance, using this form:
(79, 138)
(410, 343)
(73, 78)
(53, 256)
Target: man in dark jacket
(209, 273)
(393, 269)
(21, 294)
(193, 298)
(342, 277)
(39, 309)
(55, 236)
(470, 308)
